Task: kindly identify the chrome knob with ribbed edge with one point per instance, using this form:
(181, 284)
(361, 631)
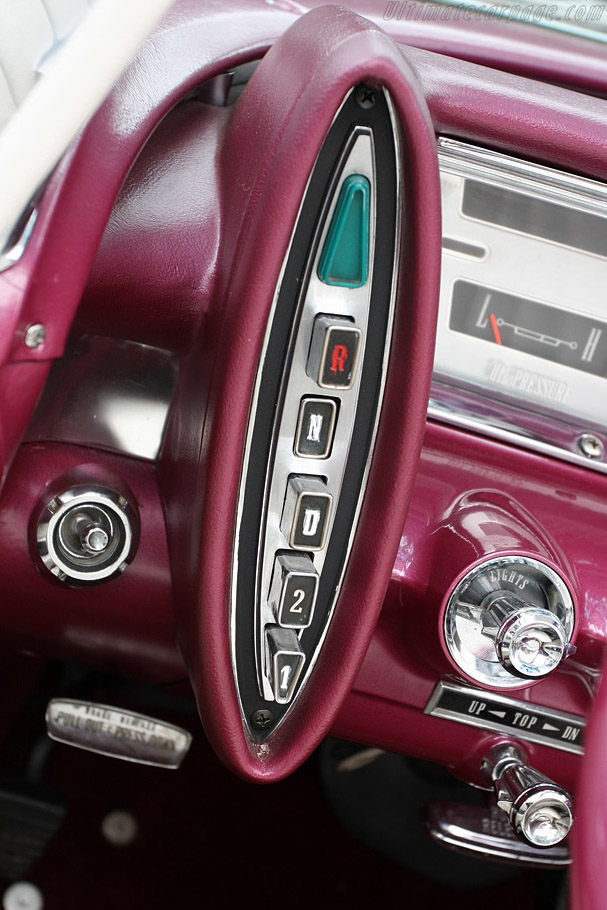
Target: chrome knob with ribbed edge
(530, 641)
(540, 812)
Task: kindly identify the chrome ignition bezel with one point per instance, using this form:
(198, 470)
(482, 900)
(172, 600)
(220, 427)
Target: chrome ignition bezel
(119, 512)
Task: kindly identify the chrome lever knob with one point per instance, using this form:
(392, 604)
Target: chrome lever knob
(540, 812)
(530, 641)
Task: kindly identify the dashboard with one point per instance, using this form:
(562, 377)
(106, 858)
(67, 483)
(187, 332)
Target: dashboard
(169, 389)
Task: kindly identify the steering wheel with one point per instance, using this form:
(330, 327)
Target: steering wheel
(284, 163)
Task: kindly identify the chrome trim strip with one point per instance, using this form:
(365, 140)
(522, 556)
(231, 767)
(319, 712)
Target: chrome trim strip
(358, 156)
(526, 708)
(15, 249)
(498, 420)
(549, 182)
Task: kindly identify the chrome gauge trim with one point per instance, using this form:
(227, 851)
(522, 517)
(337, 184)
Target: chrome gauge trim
(469, 648)
(551, 183)
(463, 394)
(460, 408)
(17, 245)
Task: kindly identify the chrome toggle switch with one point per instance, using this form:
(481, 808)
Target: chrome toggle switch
(529, 641)
(285, 660)
(540, 812)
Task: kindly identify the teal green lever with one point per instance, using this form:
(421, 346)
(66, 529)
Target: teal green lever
(345, 257)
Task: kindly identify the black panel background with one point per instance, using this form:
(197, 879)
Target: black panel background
(277, 364)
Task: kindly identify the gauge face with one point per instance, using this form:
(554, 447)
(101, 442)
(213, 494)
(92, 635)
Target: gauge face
(522, 334)
(510, 321)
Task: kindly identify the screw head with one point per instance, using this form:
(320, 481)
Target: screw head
(365, 96)
(262, 719)
(591, 446)
(35, 336)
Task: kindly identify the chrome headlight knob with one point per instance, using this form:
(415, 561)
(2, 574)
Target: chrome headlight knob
(530, 642)
(510, 618)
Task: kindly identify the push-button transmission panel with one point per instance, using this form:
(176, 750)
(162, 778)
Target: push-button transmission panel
(315, 411)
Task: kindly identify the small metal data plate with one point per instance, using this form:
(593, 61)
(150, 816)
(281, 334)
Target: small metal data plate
(534, 723)
(116, 733)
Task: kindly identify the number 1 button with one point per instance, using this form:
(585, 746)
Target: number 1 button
(293, 590)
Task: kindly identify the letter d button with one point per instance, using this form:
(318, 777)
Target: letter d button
(306, 513)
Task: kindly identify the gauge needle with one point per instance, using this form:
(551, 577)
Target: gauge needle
(496, 331)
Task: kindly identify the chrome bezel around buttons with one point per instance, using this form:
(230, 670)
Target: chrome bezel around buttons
(283, 643)
(64, 562)
(337, 303)
(324, 326)
(469, 646)
(300, 487)
(351, 147)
